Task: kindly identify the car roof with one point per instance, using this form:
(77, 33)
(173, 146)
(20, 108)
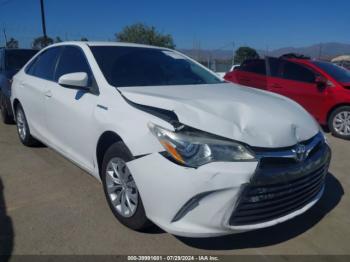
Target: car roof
(302, 61)
(296, 60)
(95, 43)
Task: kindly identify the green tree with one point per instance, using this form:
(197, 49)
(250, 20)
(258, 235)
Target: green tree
(41, 42)
(12, 43)
(143, 34)
(243, 53)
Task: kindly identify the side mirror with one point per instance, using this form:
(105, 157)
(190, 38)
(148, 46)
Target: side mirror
(75, 81)
(321, 82)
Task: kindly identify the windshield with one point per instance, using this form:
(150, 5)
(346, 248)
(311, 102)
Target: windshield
(137, 66)
(340, 74)
(16, 59)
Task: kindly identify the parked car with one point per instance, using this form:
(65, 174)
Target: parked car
(322, 88)
(343, 61)
(222, 74)
(11, 60)
(170, 141)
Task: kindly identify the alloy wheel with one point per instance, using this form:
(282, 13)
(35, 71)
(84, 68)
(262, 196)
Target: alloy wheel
(21, 124)
(341, 123)
(121, 187)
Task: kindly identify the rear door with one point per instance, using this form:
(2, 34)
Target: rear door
(252, 73)
(38, 79)
(297, 82)
(69, 112)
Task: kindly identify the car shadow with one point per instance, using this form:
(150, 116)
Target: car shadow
(325, 129)
(153, 230)
(6, 229)
(38, 144)
(279, 233)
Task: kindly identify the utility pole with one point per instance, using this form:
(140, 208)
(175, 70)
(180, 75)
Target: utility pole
(233, 52)
(320, 51)
(5, 36)
(43, 18)
(267, 50)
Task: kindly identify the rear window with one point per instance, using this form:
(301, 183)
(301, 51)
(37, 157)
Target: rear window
(16, 59)
(137, 66)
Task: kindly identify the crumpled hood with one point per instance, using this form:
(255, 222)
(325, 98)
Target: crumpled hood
(255, 117)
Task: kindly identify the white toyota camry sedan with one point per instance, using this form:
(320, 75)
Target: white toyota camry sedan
(172, 143)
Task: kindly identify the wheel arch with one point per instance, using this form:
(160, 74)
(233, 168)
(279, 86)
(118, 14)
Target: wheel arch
(15, 103)
(335, 108)
(107, 139)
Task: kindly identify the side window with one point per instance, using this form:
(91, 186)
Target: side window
(256, 66)
(293, 71)
(44, 65)
(31, 67)
(72, 60)
(274, 66)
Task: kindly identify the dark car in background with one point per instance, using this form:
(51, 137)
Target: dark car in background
(322, 88)
(11, 61)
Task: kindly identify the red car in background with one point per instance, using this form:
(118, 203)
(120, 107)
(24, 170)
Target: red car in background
(322, 88)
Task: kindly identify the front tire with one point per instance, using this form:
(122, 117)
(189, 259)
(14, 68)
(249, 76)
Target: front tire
(339, 122)
(120, 188)
(23, 129)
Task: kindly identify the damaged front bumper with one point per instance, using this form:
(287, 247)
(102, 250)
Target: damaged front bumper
(229, 197)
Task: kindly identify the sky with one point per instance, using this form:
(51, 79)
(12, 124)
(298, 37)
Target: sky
(264, 24)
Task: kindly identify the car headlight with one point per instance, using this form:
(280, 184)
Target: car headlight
(195, 149)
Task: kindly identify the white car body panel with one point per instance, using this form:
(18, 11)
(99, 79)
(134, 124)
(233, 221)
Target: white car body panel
(34, 93)
(64, 131)
(72, 122)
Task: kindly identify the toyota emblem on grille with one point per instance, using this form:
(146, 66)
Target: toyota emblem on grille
(300, 152)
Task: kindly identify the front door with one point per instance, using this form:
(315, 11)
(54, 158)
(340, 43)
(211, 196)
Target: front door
(297, 82)
(69, 112)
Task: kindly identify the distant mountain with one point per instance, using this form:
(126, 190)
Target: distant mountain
(324, 50)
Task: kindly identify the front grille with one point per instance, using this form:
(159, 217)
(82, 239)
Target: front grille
(281, 187)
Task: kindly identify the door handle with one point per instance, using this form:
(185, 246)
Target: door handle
(48, 94)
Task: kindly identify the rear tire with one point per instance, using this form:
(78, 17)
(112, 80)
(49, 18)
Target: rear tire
(5, 116)
(339, 122)
(23, 129)
(120, 188)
